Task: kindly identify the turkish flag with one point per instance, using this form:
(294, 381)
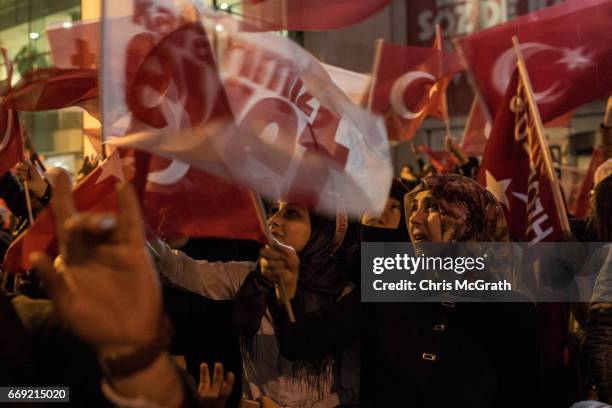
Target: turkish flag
(181, 201)
(308, 15)
(11, 145)
(410, 84)
(95, 193)
(568, 53)
(513, 170)
(442, 160)
(477, 131)
(177, 201)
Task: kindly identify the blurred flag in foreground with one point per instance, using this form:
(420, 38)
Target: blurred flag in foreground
(274, 121)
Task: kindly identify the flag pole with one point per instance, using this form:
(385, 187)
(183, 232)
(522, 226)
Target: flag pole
(101, 67)
(375, 65)
(533, 107)
(608, 115)
(472, 83)
(26, 186)
(469, 119)
(439, 45)
(261, 215)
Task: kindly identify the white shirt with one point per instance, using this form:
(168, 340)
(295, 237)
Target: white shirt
(270, 373)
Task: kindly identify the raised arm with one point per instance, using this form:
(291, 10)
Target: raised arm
(214, 280)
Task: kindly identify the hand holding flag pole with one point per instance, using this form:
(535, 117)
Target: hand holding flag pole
(274, 243)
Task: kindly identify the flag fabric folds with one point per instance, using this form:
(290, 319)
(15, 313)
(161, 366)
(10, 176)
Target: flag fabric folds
(410, 84)
(56, 88)
(443, 161)
(11, 146)
(273, 121)
(567, 52)
(95, 193)
(197, 205)
(178, 200)
(513, 169)
(308, 15)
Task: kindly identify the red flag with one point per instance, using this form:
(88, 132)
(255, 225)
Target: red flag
(181, 201)
(409, 85)
(581, 207)
(56, 88)
(295, 135)
(513, 169)
(477, 130)
(442, 160)
(178, 201)
(11, 146)
(567, 51)
(95, 193)
(308, 15)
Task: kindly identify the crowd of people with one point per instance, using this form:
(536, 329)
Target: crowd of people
(126, 319)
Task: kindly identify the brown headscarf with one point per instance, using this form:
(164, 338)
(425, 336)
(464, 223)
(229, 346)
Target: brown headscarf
(475, 213)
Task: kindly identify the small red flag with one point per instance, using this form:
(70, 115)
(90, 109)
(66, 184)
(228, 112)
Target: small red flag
(442, 160)
(410, 84)
(178, 201)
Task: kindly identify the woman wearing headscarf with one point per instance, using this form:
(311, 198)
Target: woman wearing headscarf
(438, 354)
(314, 241)
(337, 326)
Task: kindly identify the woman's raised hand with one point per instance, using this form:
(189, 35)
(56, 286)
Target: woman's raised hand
(280, 262)
(26, 171)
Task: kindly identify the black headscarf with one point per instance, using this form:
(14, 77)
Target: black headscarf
(398, 234)
(319, 281)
